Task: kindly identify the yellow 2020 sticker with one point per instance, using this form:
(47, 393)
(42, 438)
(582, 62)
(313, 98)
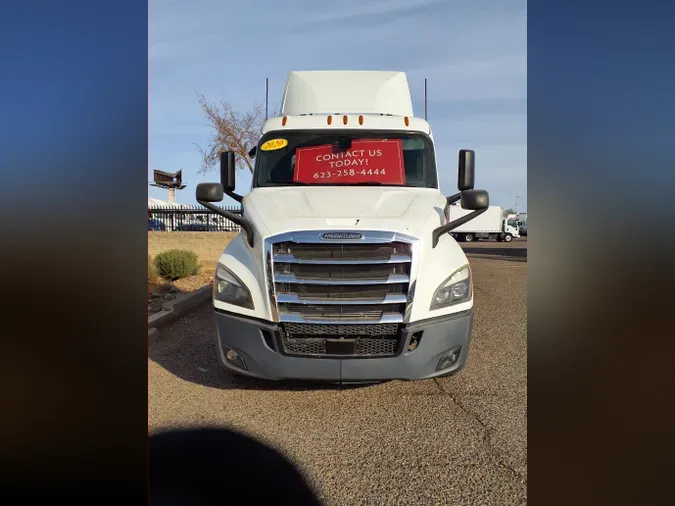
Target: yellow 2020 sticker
(273, 144)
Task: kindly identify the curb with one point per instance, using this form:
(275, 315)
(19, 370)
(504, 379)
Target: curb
(175, 309)
(153, 335)
(503, 258)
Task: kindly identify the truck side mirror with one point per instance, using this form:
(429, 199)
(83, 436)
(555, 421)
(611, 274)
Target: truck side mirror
(209, 192)
(213, 192)
(227, 169)
(475, 200)
(467, 160)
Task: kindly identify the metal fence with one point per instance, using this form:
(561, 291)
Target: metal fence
(190, 219)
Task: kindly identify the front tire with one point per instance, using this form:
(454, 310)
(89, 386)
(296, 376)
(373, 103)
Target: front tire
(468, 237)
(508, 237)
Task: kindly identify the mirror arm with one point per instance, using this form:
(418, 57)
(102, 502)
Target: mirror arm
(449, 201)
(438, 232)
(245, 225)
(453, 198)
(234, 196)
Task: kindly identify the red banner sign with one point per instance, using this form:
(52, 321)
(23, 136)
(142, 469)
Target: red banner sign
(378, 161)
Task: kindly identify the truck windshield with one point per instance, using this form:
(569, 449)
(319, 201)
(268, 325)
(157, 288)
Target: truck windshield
(345, 158)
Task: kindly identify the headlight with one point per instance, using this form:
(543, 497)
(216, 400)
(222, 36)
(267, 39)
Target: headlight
(229, 288)
(454, 290)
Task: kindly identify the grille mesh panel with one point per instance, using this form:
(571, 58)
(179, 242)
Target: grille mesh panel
(310, 339)
(309, 329)
(317, 346)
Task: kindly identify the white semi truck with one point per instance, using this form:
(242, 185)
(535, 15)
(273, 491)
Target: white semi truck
(345, 270)
(492, 224)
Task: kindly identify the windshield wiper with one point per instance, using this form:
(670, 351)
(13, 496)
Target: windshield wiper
(373, 183)
(286, 183)
(301, 183)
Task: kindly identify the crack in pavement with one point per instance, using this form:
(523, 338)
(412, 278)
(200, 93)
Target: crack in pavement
(487, 435)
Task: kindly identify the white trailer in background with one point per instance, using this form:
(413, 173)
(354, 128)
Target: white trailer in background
(489, 225)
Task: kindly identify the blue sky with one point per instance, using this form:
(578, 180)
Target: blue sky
(473, 53)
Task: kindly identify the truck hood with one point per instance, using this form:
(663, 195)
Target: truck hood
(287, 209)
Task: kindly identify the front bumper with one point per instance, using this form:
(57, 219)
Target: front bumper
(253, 340)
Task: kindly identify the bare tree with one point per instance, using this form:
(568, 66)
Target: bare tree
(231, 131)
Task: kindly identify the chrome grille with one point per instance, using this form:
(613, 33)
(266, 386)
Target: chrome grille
(355, 293)
(315, 281)
(338, 272)
(342, 311)
(322, 252)
(342, 292)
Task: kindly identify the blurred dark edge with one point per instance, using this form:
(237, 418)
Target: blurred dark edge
(209, 465)
(74, 158)
(601, 251)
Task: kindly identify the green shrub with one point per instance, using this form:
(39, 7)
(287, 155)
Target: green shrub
(152, 270)
(175, 264)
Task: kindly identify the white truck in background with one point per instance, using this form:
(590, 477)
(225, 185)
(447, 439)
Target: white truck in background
(512, 219)
(522, 224)
(492, 224)
(345, 270)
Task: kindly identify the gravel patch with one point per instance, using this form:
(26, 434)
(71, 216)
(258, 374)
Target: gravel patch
(162, 291)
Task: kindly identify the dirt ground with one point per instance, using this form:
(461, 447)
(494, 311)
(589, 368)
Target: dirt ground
(451, 441)
(161, 291)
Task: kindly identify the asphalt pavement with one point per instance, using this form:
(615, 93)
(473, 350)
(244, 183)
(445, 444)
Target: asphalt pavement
(457, 440)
